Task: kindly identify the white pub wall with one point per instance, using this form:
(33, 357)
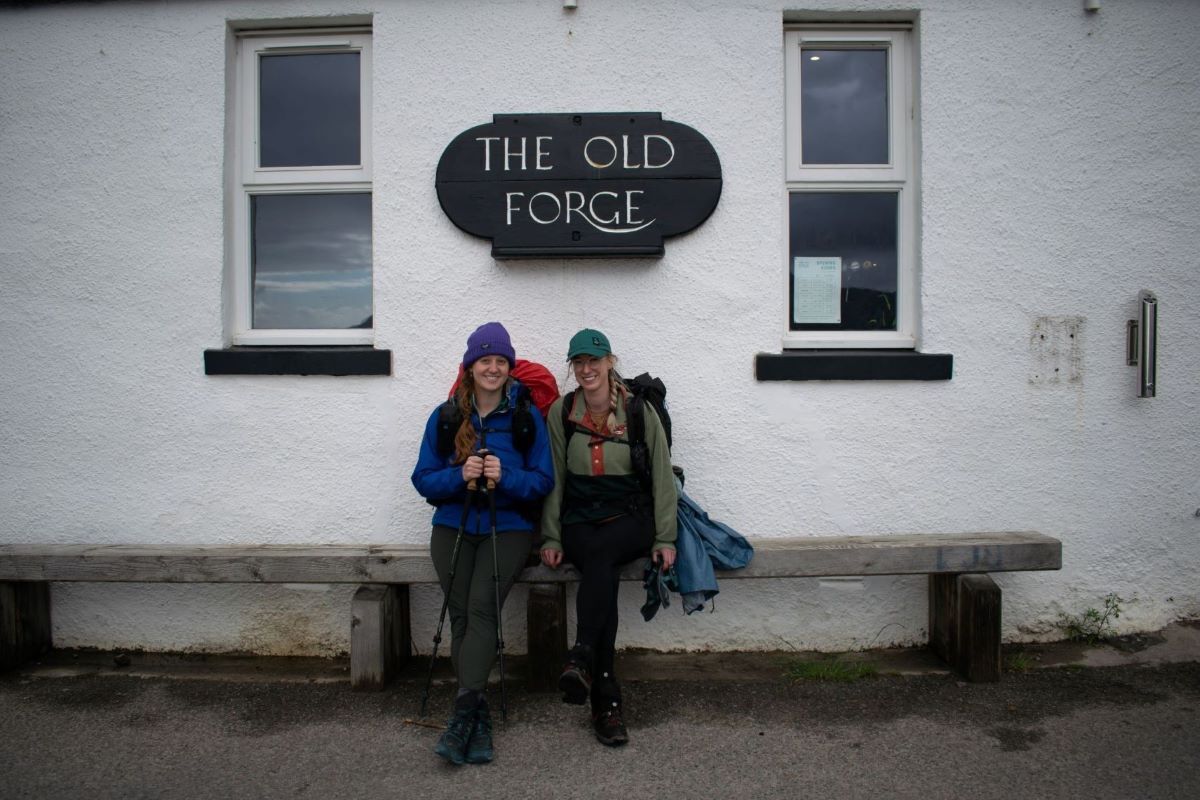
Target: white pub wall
(1058, 174)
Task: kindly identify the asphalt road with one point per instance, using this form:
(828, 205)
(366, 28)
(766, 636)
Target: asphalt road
(1114, 732)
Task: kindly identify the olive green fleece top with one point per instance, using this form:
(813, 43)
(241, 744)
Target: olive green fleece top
(583, 459)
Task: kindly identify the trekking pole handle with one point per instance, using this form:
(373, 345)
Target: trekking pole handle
(484, 453)
(473, 484)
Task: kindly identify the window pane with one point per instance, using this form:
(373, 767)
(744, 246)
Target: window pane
(311, 260)
(308, 110)
(843, 106)
(860, 229)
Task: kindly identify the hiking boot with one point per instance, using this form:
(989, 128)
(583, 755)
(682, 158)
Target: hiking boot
(452, 744)
(609, 727)
(576, 679)
(479, 748)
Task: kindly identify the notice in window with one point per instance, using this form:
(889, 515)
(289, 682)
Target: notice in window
(816, 289)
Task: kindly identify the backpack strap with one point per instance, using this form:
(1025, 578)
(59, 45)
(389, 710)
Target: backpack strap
(523, 431)
(449, 420)
(569, 426)
(639, 452)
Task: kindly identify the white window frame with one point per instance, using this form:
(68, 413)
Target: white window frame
(251, 179)
(898, 175)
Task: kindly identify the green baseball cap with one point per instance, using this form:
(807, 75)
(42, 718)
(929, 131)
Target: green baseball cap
(589, 342)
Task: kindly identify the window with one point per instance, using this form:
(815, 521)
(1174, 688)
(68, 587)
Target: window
(851, 204)
(301, 204)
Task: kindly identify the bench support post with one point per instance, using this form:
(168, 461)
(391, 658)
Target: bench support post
(380, 638)
(964, 624)
(978, 628)
(943, 616)
(546, 612)
(24, 622)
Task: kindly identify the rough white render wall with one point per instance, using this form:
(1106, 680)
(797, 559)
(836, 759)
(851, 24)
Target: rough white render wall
(1059, 176)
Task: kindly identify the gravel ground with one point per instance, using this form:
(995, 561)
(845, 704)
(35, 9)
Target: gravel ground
(1111, 732)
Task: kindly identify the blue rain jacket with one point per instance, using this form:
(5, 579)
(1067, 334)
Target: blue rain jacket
(524, 477)
(703, 544)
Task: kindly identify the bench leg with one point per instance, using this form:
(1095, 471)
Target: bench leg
(24, 622)
(380, 637)
(546, 612)
(978, 628)
(964, 624)
(943, 616)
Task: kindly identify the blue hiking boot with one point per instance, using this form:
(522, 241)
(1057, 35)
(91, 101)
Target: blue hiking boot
(452, 744)
(479, 748)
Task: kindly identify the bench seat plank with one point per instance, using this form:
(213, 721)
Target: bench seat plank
(897, 554)
(193, 564)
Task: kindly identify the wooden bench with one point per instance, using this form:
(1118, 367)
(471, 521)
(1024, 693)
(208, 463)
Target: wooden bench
(964, 602)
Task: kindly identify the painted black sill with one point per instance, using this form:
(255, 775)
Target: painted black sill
(853, 365)
(298, 360)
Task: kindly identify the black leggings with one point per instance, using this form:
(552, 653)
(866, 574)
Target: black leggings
(599, 550)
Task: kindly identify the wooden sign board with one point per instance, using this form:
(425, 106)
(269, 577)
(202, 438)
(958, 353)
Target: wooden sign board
(568, 185)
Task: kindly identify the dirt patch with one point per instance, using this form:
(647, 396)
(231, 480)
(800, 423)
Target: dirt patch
(1135, 642)
(1015, 739)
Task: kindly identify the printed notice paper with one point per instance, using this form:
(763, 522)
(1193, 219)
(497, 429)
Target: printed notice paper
(817, 289)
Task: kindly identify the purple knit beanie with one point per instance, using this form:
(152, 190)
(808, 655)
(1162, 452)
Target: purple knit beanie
(489, 339)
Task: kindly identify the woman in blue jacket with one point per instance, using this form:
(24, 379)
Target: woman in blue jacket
(483, 453)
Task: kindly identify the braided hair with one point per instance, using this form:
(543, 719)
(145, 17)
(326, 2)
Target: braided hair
(617, 393)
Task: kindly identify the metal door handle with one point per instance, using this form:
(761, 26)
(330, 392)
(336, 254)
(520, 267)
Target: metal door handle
(1141, 343)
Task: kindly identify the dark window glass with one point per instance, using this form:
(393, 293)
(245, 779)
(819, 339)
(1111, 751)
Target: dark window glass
(843, 106)
(308, 110)
(860, 228)
(311, 260)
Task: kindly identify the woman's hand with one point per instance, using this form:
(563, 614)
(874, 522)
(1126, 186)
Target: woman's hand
(491, 468)
(472, 468)
(664, 556)
(551, 558)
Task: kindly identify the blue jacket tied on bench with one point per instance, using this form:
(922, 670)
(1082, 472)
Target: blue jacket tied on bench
(524, 477)
(703, 544)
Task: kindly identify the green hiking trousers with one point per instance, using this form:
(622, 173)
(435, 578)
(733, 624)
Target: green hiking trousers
(472, 604)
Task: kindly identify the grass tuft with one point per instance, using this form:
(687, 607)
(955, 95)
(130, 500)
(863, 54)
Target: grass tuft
(835, 670)
(1018, 662)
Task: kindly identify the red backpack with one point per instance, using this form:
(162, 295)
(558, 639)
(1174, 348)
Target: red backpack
(543, 389)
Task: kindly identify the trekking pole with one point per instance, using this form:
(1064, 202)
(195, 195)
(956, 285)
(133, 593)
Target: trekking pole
(468, 501)
(491, 486)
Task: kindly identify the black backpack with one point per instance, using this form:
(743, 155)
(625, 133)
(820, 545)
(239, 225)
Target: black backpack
(642, 389)
(523, 432)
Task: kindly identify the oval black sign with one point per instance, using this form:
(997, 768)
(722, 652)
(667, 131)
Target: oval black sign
(561, 185)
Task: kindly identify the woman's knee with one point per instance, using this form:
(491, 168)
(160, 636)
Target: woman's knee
(483, 609)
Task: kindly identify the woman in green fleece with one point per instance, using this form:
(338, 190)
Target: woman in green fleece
(601, 515)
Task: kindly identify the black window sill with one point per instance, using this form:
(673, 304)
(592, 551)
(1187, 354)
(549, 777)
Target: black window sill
(300, 360)
(853, 365)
